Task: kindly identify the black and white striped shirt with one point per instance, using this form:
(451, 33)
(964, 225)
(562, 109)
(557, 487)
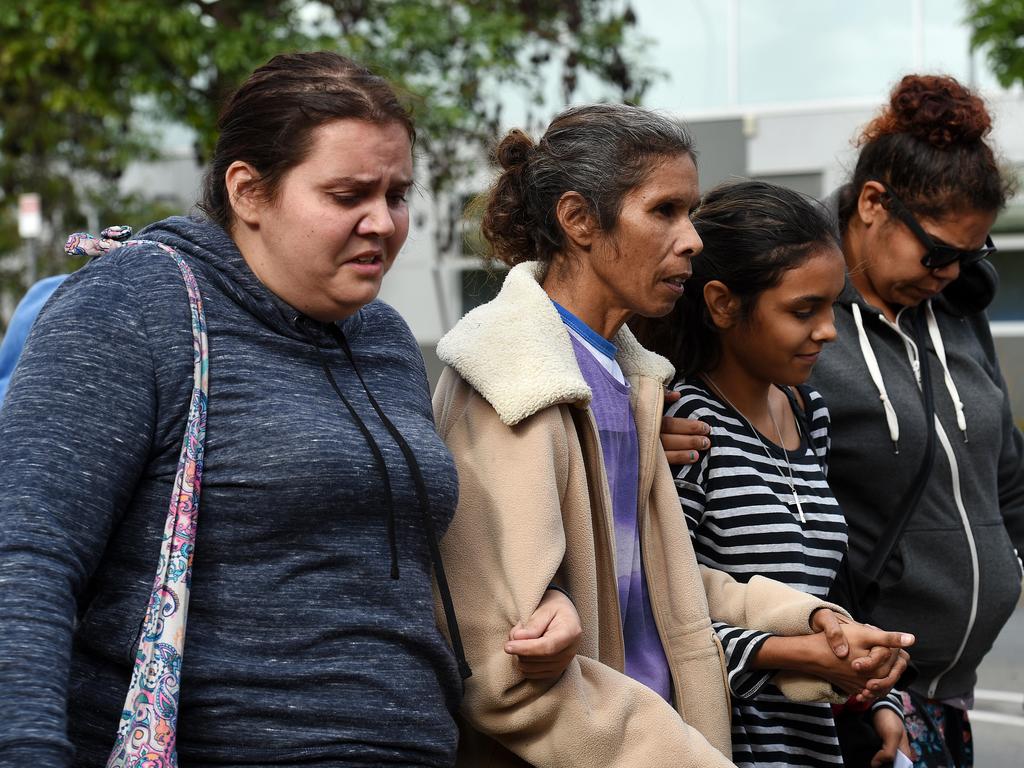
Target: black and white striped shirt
(740, 510)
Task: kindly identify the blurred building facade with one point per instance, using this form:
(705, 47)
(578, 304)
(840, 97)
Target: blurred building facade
(771, 89)
(774, 90)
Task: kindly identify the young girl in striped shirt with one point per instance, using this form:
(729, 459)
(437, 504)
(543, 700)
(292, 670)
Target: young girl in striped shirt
(755, 316)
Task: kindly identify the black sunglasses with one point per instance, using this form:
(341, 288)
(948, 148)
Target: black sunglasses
(936, 255)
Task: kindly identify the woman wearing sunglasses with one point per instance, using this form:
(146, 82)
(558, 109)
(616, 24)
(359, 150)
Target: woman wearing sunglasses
(913, 337)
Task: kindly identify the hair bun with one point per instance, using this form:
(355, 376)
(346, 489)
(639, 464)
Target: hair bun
(514, 150)
(933, 108)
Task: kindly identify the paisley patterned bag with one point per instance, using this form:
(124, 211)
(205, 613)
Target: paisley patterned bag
(147, 731)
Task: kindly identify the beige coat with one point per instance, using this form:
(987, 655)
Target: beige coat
(534, 508)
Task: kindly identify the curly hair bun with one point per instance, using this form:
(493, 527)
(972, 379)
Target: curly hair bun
(934, 108)
(514, 150)
(505, 223)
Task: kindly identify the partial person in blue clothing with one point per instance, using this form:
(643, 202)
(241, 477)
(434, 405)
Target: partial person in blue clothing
(311, 635)
(21, 323)
(744, 339)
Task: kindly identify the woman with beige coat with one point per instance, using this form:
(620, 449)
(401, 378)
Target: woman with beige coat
(552, 411)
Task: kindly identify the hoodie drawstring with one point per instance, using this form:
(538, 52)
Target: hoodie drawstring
(378, 457)
(876, 376)
(422, 495)
(940, 351)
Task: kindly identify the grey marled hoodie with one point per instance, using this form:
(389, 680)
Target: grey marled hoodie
(955, 578)
(300, 649)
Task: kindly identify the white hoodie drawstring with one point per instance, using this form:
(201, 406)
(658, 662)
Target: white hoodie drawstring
(876, 376)
(940, 351)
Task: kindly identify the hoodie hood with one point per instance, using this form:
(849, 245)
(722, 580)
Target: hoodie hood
(220, 261)
(972, 292)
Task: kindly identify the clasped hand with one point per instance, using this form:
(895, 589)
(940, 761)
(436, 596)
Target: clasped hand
(858, 659)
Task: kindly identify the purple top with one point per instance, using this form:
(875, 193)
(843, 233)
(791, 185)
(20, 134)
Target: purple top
(645, 657)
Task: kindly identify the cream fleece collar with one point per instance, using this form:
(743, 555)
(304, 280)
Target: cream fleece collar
(516, 352)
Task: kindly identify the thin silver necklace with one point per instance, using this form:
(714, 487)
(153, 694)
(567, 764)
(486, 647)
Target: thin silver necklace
(789, 468)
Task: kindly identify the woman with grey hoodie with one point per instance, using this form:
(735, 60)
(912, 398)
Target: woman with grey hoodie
(915, 222)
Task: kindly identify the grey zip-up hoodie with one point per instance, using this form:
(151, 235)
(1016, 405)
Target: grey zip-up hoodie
(301, 649)
(956, 577)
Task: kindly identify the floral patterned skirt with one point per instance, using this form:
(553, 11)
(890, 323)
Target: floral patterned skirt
(940, 734)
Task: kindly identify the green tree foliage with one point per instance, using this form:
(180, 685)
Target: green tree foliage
(998, 28)
(81, 79)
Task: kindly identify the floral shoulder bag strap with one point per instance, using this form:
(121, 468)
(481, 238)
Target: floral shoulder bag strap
(147, 731)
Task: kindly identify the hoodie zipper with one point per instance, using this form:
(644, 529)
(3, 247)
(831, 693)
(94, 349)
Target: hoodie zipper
(914, 355)
(954, 468)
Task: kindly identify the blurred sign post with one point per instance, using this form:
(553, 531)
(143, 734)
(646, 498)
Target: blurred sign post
(30, 228)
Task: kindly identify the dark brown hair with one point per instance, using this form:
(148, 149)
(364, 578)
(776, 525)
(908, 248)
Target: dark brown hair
(270, 120)
(601, 151)
(928, 145)
(753, 233)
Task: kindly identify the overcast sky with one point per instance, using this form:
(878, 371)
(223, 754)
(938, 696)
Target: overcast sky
(789, 51)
